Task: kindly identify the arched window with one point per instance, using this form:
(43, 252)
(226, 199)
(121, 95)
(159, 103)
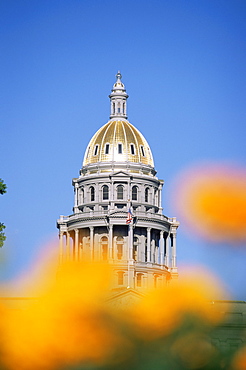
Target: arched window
(146, 195)
(120, 278)
(92, 192)
(135, 248)
(104, 244)
(120, 191)
(134, 193)
(139, 280)
(105, 192)
(119, 246)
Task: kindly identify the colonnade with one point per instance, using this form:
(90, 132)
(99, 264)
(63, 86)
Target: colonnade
(76, 246)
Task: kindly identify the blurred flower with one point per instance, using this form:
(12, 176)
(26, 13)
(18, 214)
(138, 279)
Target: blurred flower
(163, 310)
(239, 361)
(68, 322)
(73, 324)
(194, 350)
(211, 200)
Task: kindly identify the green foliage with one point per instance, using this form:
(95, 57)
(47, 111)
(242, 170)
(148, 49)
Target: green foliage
(2, 235)
(3, 189)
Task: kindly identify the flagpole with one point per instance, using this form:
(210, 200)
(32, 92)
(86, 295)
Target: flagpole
(130, 241)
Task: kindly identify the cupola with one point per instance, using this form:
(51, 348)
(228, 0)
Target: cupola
(118, 98)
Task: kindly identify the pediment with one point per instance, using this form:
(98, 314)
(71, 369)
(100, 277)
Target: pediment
(124, 298)
(120, 174)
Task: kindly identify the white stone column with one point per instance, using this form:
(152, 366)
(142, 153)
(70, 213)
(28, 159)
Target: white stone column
(161, 248)
(110, 242)
(91, 241)
(174, 264)
(68, 246)
(160, 198)
(142, 195)
(142, 248)
(157, 257)
(151, 196)
(86, 194)
(111, 193)
(76, 198)
(148, 245)
(152, 257)
(167, 250)
(76, 245)
(97, 250)
(97, 195)
(60, 246)
(128, 194)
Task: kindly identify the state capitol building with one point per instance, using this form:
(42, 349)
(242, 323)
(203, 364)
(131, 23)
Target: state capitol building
(117, 218)
(117, 214)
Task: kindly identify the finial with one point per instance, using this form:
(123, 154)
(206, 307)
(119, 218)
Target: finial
(118, 76)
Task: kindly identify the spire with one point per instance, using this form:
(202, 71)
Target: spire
(118, 98)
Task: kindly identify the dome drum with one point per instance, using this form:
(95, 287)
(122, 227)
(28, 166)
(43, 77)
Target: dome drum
(101, 168)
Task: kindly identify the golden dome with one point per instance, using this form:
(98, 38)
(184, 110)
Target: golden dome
(118, 141)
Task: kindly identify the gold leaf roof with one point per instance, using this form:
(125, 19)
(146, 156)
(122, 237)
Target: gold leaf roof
(118, 141)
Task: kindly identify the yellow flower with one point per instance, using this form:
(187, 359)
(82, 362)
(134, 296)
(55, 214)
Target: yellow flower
(162, 311)
(211, 199)
(68, 323)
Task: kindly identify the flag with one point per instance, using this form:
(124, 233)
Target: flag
(129, 216)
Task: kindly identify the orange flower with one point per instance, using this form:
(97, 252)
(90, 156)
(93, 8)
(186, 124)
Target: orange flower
(68, 323)
(211, 199)
(239, 361)
(162, 310)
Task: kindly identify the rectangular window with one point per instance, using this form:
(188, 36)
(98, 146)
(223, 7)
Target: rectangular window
(107, 149)
(142, 150)
(120, 148)
(132, 149)
(118, 110)
(96, 150)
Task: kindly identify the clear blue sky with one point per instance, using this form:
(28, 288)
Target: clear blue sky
(184, 67)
